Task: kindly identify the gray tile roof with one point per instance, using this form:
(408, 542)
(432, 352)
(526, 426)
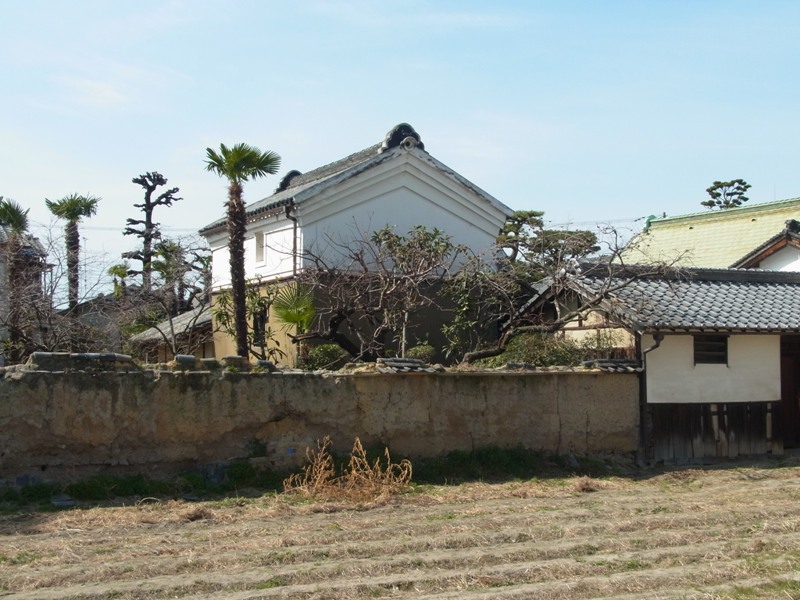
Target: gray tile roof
(196, 317)
(296, 186)
(295, 182)
(725, 300)
(31, 244)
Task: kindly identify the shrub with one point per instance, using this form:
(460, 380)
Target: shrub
(549, 350)
(325, 356)
(423, 352)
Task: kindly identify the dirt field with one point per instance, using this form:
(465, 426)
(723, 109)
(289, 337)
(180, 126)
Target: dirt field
(714, 533)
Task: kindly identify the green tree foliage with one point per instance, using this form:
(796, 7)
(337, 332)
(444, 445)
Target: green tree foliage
(119, 274)
(13, 215)
(324, 356)
(170, 264)
(547, 350)
(238, 164)
(727, 194)
(294, 305)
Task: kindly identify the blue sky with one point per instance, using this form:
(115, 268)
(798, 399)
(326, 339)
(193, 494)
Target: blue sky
(591, 111)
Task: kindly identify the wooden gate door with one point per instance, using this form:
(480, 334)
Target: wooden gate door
(790, 390)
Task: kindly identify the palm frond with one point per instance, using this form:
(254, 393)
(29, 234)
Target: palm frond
(294, 305)
(241, 162)
(74, 207)
(13, 215)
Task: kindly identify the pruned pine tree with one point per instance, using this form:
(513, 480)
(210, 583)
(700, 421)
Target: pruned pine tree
(727, 194)
(146, 228)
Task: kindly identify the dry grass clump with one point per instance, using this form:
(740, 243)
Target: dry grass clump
(359, 481)
(585, 485)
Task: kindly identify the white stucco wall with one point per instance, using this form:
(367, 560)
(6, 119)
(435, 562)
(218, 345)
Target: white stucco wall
(751, 375)
(277, 234)
(785, 259)
(278, 246)
(404, 192)
(401, 195)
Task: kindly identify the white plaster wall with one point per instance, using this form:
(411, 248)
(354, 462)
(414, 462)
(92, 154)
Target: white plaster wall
(278, 234)
(402, 193)
(220, 267)
(751, 375)
(278, 250)
(401, 199)
(785, 259)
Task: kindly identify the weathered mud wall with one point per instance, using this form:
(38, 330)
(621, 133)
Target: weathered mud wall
(61, 424)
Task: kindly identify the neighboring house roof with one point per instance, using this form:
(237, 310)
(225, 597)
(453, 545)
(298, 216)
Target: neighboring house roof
(295, 187)
(183, 323)
(31, 244)
(790, 236)
(697, 300)
(713, 239)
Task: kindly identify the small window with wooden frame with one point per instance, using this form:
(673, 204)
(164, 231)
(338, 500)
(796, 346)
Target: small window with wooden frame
(710, 349)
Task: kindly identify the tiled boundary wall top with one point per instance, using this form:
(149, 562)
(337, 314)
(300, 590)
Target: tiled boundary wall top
(63, 417)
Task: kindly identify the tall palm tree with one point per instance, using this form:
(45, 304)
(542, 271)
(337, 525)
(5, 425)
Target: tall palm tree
(239, 164)
(15, 218)
(73, 208)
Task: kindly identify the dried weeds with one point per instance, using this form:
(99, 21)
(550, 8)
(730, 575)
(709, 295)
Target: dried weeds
(360, 481)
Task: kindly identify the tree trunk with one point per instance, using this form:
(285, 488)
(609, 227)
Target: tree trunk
(237, 226)
(496, 350)
(73, 252)
(15, 285)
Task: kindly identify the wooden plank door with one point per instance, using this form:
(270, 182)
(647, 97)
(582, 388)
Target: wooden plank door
(790, 391)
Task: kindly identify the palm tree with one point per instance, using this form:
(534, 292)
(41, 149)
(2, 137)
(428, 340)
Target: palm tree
(11, 214)
(16, 219)
(239, 164)
(294, 305)
(73, 208)
(119, 273)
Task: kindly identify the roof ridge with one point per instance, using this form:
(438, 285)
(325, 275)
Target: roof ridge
(693, 273)
(393, 138)
(712, 214)
(319, 172)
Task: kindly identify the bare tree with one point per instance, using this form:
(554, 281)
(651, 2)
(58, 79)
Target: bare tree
(368, 291)
(541, 293)
(40, 313)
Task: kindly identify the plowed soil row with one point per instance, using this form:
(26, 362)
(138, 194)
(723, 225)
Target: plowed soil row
(717, 533)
